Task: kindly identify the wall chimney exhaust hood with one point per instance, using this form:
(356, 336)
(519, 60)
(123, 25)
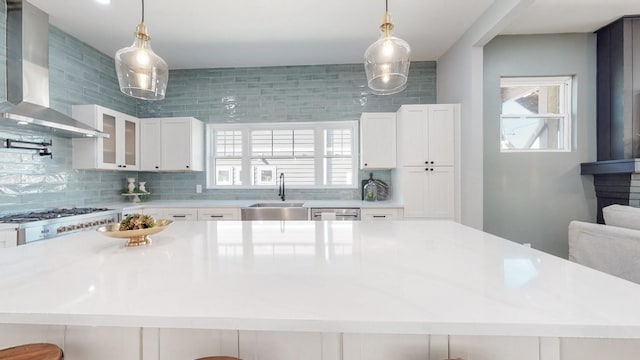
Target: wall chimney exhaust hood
(27, 77)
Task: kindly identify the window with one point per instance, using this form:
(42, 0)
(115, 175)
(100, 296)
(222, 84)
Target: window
(536, 114)
(311, 155)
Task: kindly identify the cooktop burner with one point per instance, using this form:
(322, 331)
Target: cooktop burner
(47, 214)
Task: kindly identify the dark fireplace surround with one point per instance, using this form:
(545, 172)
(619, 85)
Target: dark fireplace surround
(617, 169)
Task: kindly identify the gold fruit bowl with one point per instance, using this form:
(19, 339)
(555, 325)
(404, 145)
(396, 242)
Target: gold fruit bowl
(137, 237)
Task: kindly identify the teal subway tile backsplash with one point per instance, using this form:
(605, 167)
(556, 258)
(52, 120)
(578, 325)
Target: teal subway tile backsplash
(79, 74)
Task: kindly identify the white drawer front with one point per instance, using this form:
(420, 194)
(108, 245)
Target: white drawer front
(181, 214)
(381, 214)
(156, 213)
(206, 214)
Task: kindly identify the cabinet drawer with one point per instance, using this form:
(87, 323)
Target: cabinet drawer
(155, 213)
(206, 214)
(381, 214)
(181, 214)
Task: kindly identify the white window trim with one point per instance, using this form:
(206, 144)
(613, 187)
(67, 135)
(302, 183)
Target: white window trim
(319, 156)
(566, 83)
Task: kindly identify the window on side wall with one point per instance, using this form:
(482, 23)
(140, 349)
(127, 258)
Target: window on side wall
(536, 114)
(311, 155)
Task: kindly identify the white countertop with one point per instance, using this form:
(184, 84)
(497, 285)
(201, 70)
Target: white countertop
(244, 203)
(407, 277)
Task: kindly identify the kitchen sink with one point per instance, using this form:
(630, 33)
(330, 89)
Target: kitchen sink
(275, 211)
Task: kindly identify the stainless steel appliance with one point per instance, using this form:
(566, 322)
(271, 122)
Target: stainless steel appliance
(46, 224)
(348, 214)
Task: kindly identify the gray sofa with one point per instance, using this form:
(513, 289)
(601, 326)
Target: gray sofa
(613, 248)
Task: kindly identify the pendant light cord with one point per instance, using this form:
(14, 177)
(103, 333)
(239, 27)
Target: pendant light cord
(386, 5)
(142, 10)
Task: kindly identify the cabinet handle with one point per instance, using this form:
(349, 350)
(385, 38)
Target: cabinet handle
(119, 165)
(124, 166)
(431, 169)
(365, 164)
(380, 216)
(179, 216)
(426, 162)
(187, 166)
(157, 167)
(426, 169)
(432, 162)
(216, 216)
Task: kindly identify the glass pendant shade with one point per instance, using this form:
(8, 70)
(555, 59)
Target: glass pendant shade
(141, 72)
(386, 62)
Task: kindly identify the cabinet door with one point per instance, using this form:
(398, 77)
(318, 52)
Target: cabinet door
(127, 143)
(414, 182)
(439, 196)
(156, 213)
(8, 238)
(412, 135)
(176, 144)
(440, 141)
(150, 148)
(378, 141)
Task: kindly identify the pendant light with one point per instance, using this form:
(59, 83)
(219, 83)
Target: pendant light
(386, 61)
(141, 73)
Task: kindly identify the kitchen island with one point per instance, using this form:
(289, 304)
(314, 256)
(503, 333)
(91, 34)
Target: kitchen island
(394, 277)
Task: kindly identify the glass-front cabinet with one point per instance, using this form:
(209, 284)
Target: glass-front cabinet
(119, 151)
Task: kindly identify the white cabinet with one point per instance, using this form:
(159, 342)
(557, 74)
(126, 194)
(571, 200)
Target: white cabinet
(378, 141)
(156, 213)
(381, 214)
(172, 144)
(8, 238)
(427, 191)
(427, 175)
(180, 214)
(120, 151)
(150, 148)
(227, 213)
(426, 135)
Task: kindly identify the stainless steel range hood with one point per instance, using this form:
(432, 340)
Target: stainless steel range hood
(28, 75)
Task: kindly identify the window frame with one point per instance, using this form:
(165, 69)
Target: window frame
(565, 102)
(319, 152)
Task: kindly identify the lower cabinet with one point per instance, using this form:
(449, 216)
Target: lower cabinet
(427, 192)
(206, 214)
(381, 214)
(180, 214)
(8, 238)
(132, 343)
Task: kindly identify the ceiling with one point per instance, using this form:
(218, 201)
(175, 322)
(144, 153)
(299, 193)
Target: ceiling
(240, 33)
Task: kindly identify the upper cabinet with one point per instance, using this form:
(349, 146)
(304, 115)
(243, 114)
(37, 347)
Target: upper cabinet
(172, 144)
(121, 151)
(426, 135)
(378, 141)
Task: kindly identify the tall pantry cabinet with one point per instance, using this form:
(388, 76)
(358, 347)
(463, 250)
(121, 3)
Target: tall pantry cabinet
(426, 177)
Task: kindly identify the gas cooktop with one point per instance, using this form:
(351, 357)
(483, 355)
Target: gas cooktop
(31, 216)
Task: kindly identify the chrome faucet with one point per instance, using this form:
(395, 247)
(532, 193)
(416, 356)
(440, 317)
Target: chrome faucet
(281, 187)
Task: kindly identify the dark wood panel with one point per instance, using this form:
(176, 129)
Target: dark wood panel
(604, 94)
(635, 91)
(616, 88)
(624, 166)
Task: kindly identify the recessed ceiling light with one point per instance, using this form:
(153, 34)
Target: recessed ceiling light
(104, 2)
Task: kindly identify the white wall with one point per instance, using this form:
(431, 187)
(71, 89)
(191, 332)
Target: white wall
(459, 80)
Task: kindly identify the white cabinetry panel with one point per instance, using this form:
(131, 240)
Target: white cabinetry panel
(206, 214)
(385, 347)
(598, 349)
(493, 348)
(102, 343)
(180, 214)
(378, 141)
(281, 346)
(8, 238)
(380, 214)
(14, 335)
(181, 344)
(172, 144)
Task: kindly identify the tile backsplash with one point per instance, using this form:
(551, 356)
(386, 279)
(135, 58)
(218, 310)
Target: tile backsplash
(79, 74)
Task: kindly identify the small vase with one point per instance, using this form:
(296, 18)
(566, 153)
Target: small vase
(141, 186)
(132, 185)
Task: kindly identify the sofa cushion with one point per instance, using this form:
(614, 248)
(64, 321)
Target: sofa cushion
(622, 216)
